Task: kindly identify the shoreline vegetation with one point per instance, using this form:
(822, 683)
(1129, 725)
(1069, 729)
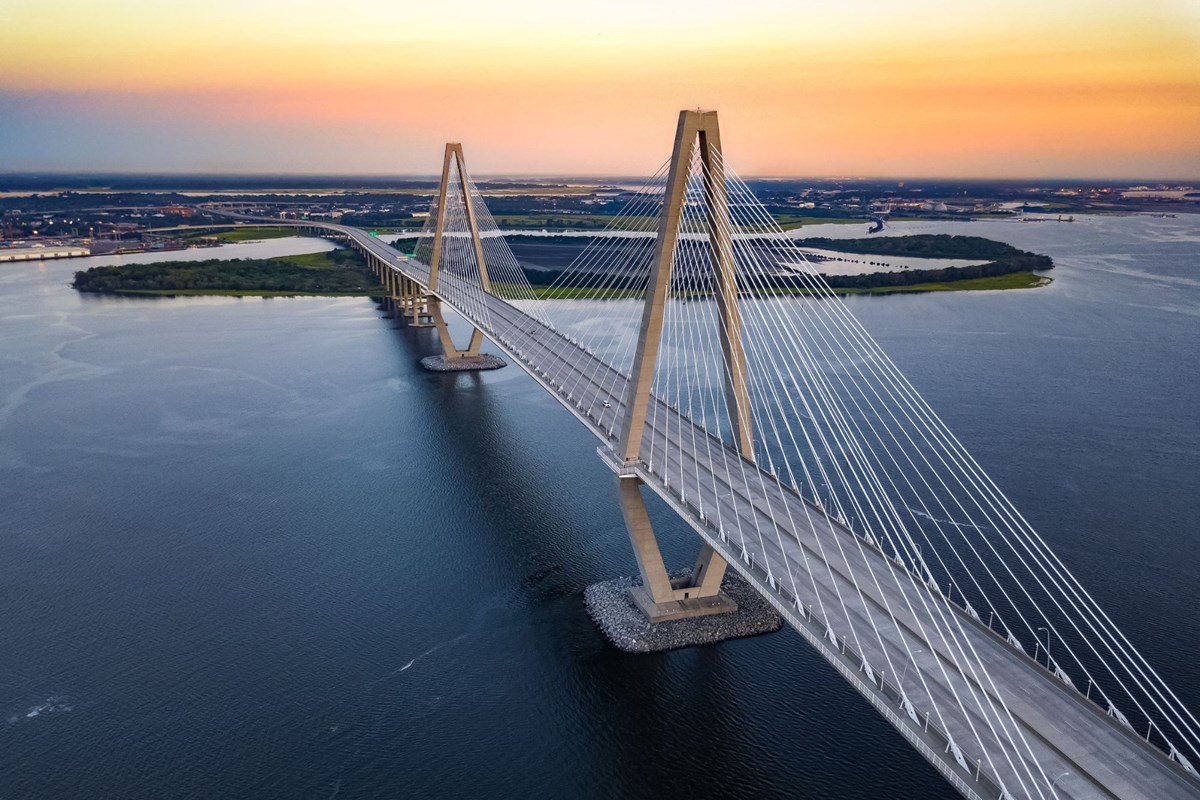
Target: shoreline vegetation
(243, 234)
(330, 272)
(996, 261)
(1012, 280)
(344, 272)
(999, 260)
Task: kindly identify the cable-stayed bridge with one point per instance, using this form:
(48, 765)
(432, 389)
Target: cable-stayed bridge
(716, 368)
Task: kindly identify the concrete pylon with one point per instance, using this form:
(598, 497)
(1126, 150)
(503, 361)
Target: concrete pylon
(658, 597)
(454, 156)
(695, 129)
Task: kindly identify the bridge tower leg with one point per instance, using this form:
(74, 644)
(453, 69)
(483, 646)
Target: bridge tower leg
(448, 347)
(699, 594)
(454, 155)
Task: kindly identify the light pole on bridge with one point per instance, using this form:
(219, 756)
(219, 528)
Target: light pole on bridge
(1039, 641)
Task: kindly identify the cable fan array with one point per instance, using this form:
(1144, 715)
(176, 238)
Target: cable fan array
(836, 423)
(460, 278)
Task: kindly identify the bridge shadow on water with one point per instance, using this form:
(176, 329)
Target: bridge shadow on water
(763, 716)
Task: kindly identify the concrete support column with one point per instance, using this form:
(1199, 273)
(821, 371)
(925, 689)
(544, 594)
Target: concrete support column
(448, 347)
(645, 544)
(708, 571)
(649, 557)
(417, 303)
(660, 598)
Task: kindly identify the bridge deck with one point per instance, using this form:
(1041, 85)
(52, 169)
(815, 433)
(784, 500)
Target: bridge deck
(1078, 749)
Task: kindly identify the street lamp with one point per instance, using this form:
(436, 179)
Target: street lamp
(1047, 630)
(1054, 782)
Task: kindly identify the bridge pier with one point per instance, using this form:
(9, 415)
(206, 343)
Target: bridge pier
(396, 294)
(672, 609)
(418, 304)
(449, 348)
(406, 298)
(454, 359)
(660, 597)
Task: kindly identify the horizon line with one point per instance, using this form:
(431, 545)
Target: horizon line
(435, 177)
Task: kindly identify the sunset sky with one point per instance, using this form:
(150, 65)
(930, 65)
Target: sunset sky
(976, 89)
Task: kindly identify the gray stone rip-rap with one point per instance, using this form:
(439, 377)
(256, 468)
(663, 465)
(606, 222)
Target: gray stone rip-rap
(611, 608)
(467, 364)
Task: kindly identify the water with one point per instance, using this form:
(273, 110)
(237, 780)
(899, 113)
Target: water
(248, 549)
(265, 248)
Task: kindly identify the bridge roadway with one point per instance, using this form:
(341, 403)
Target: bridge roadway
(1081, 751)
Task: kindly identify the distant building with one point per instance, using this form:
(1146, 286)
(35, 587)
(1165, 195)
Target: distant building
(41, 253)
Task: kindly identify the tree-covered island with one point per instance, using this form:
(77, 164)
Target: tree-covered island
(997, 265)
(344, 272)
(334, 272)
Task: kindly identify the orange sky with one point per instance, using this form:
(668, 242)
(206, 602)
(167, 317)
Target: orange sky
(1010, 89)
